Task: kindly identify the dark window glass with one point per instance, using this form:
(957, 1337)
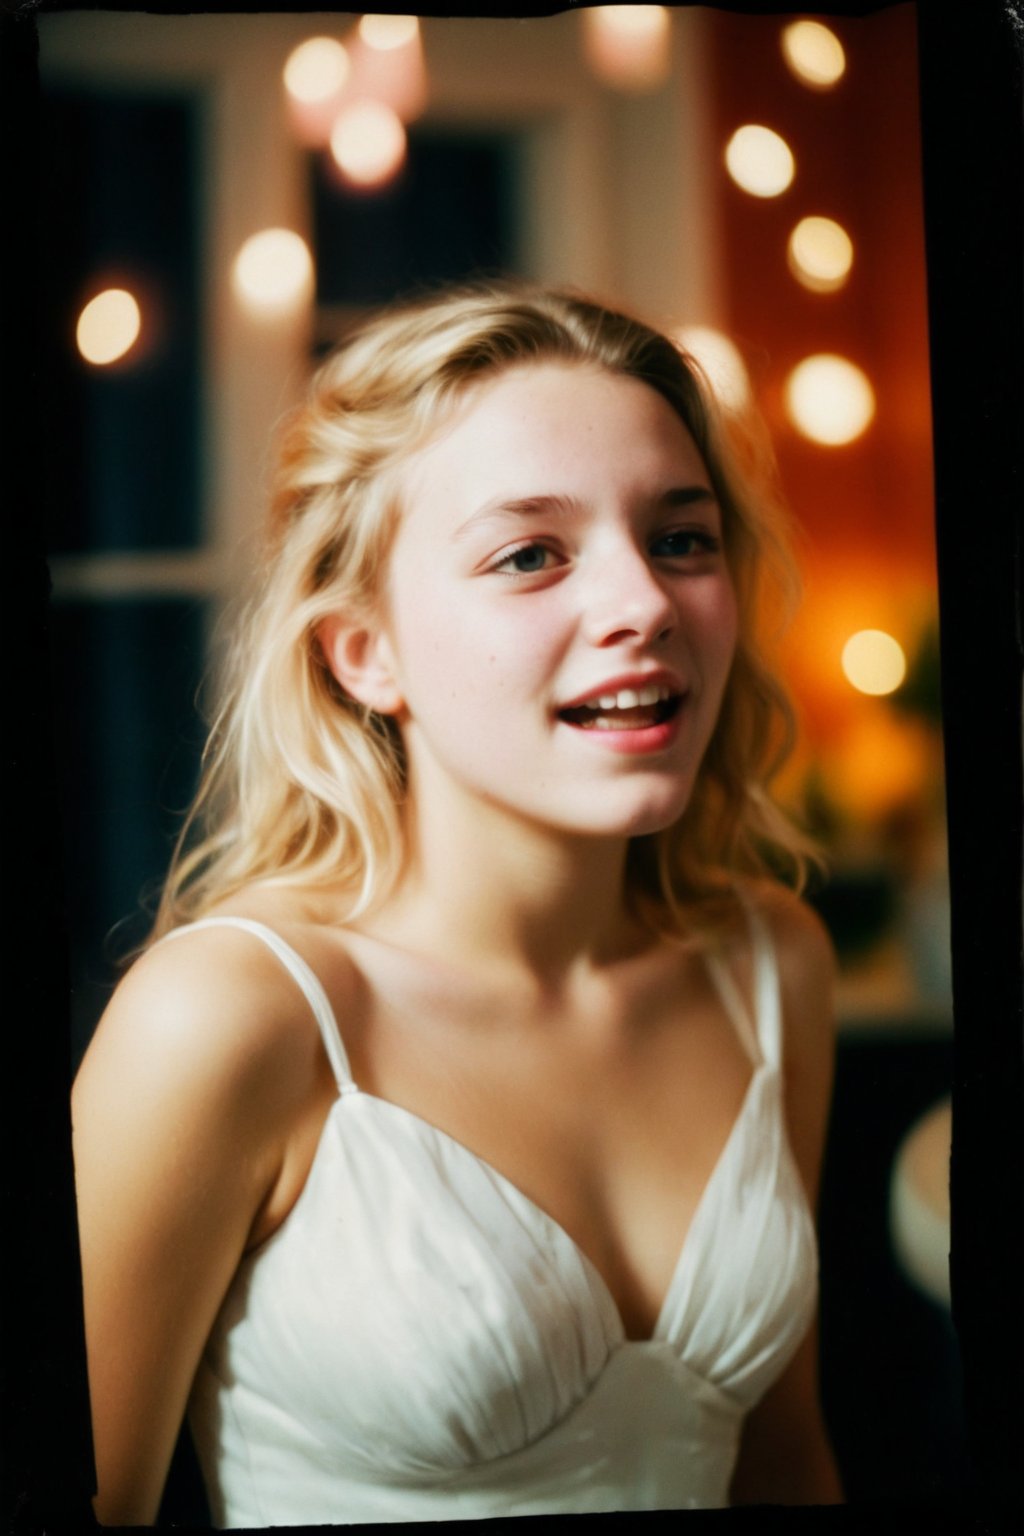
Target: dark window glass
(119, 204)
(449, 214)
(128, 741)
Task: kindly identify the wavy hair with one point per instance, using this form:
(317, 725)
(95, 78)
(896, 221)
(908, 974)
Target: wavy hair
(301, 785)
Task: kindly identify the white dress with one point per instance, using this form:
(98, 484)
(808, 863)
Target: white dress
(418, 1340)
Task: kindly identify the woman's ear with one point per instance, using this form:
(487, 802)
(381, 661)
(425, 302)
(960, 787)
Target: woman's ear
(359, 658)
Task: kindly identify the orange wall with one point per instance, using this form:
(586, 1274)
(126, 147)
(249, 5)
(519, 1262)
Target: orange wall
(866, 508)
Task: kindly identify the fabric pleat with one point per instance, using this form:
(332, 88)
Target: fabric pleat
(419, 1340)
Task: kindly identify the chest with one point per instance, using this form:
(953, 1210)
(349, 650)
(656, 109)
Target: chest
(417, 1317)
(611, 1120)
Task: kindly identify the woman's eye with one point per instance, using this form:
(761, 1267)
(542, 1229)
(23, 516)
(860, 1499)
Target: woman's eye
(682, 542)
(527, 560)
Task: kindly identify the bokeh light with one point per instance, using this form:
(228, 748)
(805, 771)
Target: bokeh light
(387, 32)
(874, 662)
(759, 160)
(628, 45)
(316, 70)
(814, 54)
(829, 399)
(108, 326)
(273, 271)
(368, 143)
(388, 68)
(721, 360)
(881, 762)
(820, 254)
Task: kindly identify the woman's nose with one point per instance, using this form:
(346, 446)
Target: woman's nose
(626, 600)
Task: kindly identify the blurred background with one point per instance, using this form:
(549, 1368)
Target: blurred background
(224, 195)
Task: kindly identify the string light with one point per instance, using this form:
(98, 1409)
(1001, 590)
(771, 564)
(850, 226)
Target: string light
(627, 46)
(820, 254)
(387, 32)
(316, 70)
(368, 143)
(273, 271)
(829, 399)
(388, 66)
(814, 54)
(759, 160)
(721, 360)
(874, 662)
(108, 326)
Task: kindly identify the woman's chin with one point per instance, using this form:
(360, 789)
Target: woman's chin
(653, 814)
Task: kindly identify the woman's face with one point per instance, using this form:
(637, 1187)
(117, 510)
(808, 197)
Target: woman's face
(560, 619)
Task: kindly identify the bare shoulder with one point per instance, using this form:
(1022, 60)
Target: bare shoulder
(807, 977)
(803, 948)
(194, 1113)
(208, 1003)
(209, 1020)
(785, 1456)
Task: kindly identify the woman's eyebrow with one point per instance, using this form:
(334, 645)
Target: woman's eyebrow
(687, 496)
(526, 506)
(518, 506)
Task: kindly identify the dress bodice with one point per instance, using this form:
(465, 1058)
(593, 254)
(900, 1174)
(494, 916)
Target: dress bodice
(419, 1340)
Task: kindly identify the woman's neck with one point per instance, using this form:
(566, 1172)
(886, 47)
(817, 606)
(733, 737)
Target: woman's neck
(492, 890)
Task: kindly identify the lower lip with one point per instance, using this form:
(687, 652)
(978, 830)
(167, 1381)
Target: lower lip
(652, 738)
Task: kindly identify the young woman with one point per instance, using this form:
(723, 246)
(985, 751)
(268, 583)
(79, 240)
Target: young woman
(452, 1150)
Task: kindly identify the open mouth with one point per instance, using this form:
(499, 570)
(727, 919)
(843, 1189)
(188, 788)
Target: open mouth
(630, 709)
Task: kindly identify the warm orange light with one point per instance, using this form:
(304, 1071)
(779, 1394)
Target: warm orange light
(388, 65)
(874, 662)
(108, 326)
(759, 160)
(273, 272)
(368, 143)
(628, 45)
(844, 593)
(721, 361)
(829, 399)
(316, 70)
(387, 32)
(879, 762)
(820, 254)
(814, 54)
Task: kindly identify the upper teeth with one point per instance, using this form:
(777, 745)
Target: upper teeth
(629, 698)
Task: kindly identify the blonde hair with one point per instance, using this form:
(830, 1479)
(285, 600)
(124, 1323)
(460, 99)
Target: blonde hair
(302, 786)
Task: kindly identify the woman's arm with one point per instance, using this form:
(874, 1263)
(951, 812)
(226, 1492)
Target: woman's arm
(785, 1456)
(181, 1113)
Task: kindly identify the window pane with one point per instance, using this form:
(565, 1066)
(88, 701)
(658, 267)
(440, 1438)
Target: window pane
(119, 210)
(128, 741)
(450, 213)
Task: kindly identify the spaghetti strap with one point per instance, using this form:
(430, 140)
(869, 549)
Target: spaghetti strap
(762, 1033)
(767, 995)
(734, 1005)
(307, 982)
